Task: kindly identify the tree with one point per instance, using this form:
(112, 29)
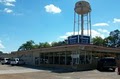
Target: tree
(27, 46)
(44, 45)
(54, 44)
(36, 46)
(97, 41)
(31, 45)
(105, 42)
(110, 41)
(59, 43)
(1, 52)
(114, 39)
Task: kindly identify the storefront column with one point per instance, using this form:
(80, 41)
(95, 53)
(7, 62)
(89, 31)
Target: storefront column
(91, 58)
(39, 58)
(72, 58)
(44, 58)
(79, 56)
(65, 58)
(59, 58)
(32, 59)
(85, 57)
(48, 58)
(53, 58)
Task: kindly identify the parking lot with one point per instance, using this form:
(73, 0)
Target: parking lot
(28, 72)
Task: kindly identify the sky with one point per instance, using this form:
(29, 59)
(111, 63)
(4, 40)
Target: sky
(51, 20)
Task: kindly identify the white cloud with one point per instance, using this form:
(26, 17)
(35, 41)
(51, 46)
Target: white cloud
(94, 34)
(52, 9)
(7, 10)
(50, 42)
(8, 2)
(103, 31)
(1, 45)
(116, 20)
(66, 35)
(101, 24)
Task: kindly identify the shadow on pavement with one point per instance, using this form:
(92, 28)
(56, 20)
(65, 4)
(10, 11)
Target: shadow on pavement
(53, 69)
(105, 70)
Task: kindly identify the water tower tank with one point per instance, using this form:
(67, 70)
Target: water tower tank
(82, 7)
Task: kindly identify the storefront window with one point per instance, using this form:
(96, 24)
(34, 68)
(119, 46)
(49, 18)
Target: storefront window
(68, 58)
(41, 58)
(50, 58)
(62, 57)
(85, 57)
(56, 57)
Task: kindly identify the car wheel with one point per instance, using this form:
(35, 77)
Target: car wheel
(2, 63)
(118, 73)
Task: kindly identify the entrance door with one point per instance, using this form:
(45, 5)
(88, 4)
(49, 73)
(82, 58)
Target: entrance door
(75, 60)
(36, 60)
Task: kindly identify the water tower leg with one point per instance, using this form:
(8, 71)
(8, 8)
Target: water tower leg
(74, 23)
(82, 29)
(90, 27)
(90, 23)
(78, 29)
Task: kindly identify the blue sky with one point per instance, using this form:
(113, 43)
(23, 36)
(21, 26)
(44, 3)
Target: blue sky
(50, 20)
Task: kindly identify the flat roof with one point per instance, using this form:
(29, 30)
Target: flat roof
(73, 48)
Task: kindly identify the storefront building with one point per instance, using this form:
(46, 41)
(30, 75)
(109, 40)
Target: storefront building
(78, 56)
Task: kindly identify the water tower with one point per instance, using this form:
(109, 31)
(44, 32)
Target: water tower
(82, 20)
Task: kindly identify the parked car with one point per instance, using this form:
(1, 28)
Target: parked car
(107, 63)
(5, 61)
(17, 61)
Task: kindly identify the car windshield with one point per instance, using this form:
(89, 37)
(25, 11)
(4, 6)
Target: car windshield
(12, 59)
(7, 59)
(112, 61)
(2, 59)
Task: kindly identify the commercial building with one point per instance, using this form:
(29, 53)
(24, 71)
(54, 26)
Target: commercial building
(77, 56)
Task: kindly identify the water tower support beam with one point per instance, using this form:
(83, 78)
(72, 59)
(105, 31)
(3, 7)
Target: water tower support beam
(74, 23)
(78, 28)
(82, 23)
(90, 24)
